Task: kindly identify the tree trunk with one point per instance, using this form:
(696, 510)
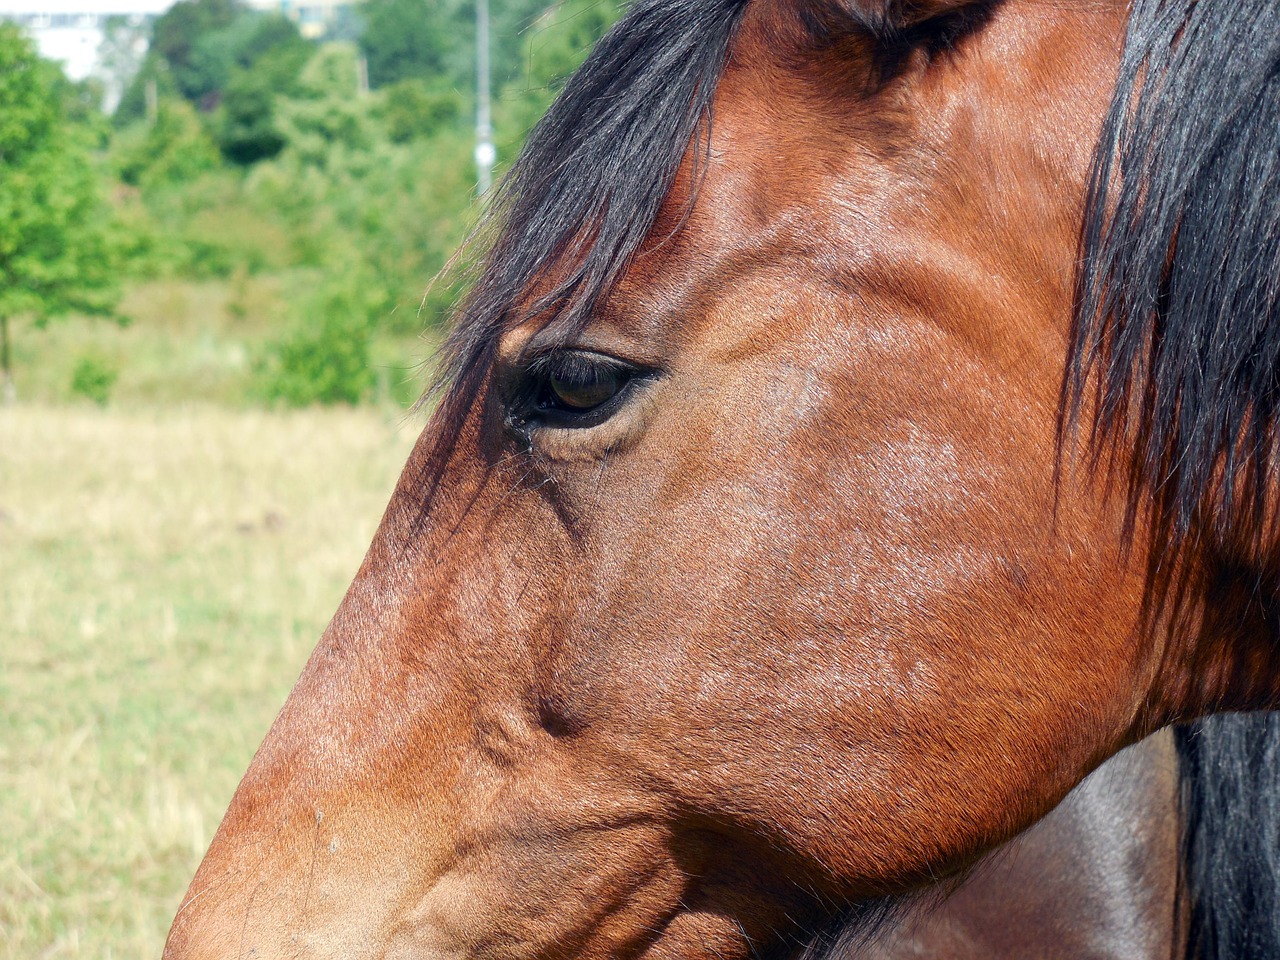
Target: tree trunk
(8, 391)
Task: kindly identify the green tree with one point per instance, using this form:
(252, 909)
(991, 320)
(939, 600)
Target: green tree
(180, 39)
(174, 150)
(175, 61)
(407, 38)
(326, 123)
(252, 62)
(208, 50)
(247, 131)
(55, 255)
(414, 108)
(434, 40)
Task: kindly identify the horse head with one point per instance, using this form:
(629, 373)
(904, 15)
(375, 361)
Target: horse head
(731, 591)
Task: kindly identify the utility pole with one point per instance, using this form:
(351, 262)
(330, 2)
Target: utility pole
(153, 102)
(486, 153)
(362, 77)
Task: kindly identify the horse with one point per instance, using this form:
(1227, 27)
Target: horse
(859, 428)
(1099, 877)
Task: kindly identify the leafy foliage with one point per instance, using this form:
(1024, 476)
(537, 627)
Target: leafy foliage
(327, 122)
(248, 132)
(435, 39)
(213, 51)
(55, 251)
(186, 40)
(326, 358)
(415, 108)
(265, 165)
(175, 149)
(407, 38)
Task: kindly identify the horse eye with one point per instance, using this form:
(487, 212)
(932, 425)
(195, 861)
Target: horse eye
(577, 387)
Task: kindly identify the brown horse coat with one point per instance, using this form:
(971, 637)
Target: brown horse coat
(730, 591)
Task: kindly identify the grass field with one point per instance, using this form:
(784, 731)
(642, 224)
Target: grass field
(163, 576)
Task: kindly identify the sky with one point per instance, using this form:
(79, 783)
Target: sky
(84, 6)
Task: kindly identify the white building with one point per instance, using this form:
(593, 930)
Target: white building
(71, 31)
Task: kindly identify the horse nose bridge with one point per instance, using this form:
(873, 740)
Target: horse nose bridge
(378, 770)
(354, 788)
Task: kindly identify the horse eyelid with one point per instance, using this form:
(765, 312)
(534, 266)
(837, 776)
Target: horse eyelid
(565, 362)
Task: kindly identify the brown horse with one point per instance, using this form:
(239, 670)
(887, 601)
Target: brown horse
(1099, 877)
(732, 593)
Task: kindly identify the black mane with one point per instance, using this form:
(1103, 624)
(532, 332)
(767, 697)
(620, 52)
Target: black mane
(586, 190)
(1176, 343)
(1175, 352)
(1230, 771)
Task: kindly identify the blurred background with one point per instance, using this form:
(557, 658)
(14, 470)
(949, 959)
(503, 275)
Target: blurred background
(219, 220)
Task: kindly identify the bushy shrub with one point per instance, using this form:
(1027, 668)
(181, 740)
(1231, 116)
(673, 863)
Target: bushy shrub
(327, 125)
(413, 108)
(407, 38)
(326, 359)
(175, 149)
(93, 378)
(247, 130)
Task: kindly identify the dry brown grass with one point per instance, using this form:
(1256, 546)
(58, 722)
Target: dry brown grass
(163, 576)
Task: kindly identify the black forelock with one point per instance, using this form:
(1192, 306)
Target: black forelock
(586, 189)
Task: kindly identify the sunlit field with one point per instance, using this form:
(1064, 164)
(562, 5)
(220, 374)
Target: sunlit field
(192, 339)
(163, 576)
